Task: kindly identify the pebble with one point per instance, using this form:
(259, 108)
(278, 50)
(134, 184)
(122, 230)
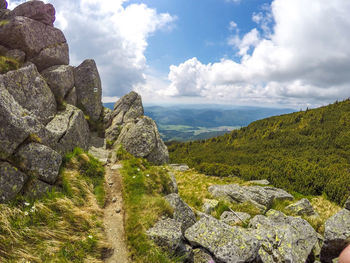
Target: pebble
(114, 199)
(118, 210)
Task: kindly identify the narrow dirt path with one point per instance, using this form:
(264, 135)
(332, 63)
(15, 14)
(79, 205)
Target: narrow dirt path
(114, 216)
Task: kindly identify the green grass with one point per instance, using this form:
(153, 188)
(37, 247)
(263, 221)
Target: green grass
(143, 192)
(7, 64)
(64, 226)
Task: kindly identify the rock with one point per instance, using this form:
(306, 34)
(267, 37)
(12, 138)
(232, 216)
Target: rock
(180, 167)
(209, 205)
(36, 10)
(117, 166)
(16, 54)
(302, 207)
(39, 161)
(3, 4)
(173, 184)
(60, 80)
(4, 14)
(261, 197)
(71, 97)
(142, 139)
(118, 210)
(347, 204)
(57, 54)
(11, 182)
(261, 182)
(70, 130)
(337, 235)
(201, 256)
(37, 189)
(284, 238)
(100, 154)
(234, 218)
(88, 88)
(3, 50)
(182, 212)
(107, 115)
(226, 243)
(167, 234)
(29, 36)
(30, 90)
(114, 199)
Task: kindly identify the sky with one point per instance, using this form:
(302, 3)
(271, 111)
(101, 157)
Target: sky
(282, 53)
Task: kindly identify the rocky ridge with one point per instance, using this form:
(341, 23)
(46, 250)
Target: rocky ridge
(47, 107)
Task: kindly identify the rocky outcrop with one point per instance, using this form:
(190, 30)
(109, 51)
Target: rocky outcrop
(36, 10)
(71, 98)
(11, 181)
(234, 218)
(88, 89)
(337, 235)
(31, 91)
(302, 207)
(261, 197)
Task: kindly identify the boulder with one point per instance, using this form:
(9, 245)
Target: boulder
(261, 182)
(60, 80)
(173, 184)
(30, 90)
(302, 207)
(209, 205)
(261, 197)
(180, 167)
(337, 235)
(347, 204)
(16, 54)
(107, 115)
(235, 218)
(226, 243)
(284, 238)
(36, 10)
(182, 212)
(29, 36)
(3, 4)
(70, 130)
(201, 256)
(141, 138)
(37, 189)
(11, 182)
(4, 14)
(71, 97)
(88, 88)
(17, 125)
(39, 161)
(167, 234)
(3, 50)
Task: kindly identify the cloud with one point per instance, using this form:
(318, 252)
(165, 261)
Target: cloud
(304, 58)
(114, 33)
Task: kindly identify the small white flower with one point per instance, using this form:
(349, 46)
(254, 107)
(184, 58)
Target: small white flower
(25, 213)
(138, 169)
(26, 204)
(147, 175)
(90, 236)
(134, 177)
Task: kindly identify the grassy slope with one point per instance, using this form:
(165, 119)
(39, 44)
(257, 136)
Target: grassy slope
(306, 152)
(64, 226)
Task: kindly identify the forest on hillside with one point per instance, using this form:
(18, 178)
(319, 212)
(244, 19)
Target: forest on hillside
(306, 152)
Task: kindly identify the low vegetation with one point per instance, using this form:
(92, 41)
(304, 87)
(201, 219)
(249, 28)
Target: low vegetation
(7, 64)
(64, 226)
(306, 152)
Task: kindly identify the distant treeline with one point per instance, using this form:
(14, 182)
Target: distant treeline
(307, 152)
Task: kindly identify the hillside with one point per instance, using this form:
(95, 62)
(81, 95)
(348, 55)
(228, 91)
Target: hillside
(306, 151)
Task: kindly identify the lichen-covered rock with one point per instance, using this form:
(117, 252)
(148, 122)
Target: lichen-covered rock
(16, 54)
(39, 161)
(31, 91)
(141, 138)
(167, 234)
(88, 87)
(226, 243)
(182, 212)
(180, 167)
(337, 235)
(70, 130)
(173, 184)
(107, 115)
(57, 54)
(209, 205)
(261, 182)
(11, 181)
(347, 204)
(60, 80)
(201, 256)
(261, 197)
(71, 97)
(3, 4)
(302, 207)
(37, 10)
(37, 189)
(29, 35)
(284, 238)
(235, 218)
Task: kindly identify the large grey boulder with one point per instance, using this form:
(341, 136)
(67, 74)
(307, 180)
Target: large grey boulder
(31, 91)
(284, 238)
(235, 218)
(141, 138)
(88, 88)
(302, 207)
(261, 197)
(11, 181)
(70, 130)
(60, 80)
(37, 10)
(39, 161)
(182, 212)
(337, 235)
(167, 234)
(226, 243)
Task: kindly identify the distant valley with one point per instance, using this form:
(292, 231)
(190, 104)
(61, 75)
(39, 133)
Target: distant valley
(198, 122)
